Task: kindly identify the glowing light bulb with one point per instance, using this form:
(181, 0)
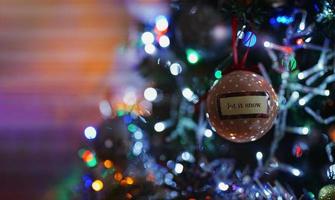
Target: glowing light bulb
(327, 92)
(164, 41)
(130, 97)
(138, 135)
(175, 69)
(150, 49)
(90, 132)
(159, 127)
(137, 149)
(305, 130)
(295, 94)
(150, 94)
(147, 38)
(240, 34)
(129, 180)
(178, 168)
(301, 76)
(118, 176)
(218, 74)
(267, 44)
(302, 102)
(187, 93)
(300, 41)
(296, 172)
(192, 56)
(259, 155)
(223, 186)
(208, 133)
(186, 155)
(97, 185)
(161, 23)
(108, 164)
(105, 108)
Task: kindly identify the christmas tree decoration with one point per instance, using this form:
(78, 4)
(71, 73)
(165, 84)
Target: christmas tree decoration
(327, 192)
(242, 106)
(201, 29)
(158, 141)
(113, 136)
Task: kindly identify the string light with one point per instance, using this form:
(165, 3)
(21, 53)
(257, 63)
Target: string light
(186, 156)
(178, 168)
(302, 102)
(150, 94)
(267, 44)
(108, 164)
(129, 180)
(300, 41)
(218, 74)
(159, 127)
(175, 69)
(105, 108)
(259, 155)
(138, 135)
(90, 132)
(161, 23)
(150, 49)
(208, 133)
(88, 157)
(97, 185)
(164, 41)
(296, 172)
(130, 97)
(305, 130)
(147, 38)
(189, 95)
(132, 128)
(118, 176)
(284, 19)
(137, 149)
(192, 56)
(223, 186)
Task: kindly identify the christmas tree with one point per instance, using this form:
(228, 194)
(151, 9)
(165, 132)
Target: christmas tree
(238, 103)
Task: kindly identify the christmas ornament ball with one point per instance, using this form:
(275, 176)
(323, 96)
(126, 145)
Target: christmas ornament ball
(242, 106)
(327, 192)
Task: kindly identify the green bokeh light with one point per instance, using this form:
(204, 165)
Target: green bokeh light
(192, 56)
(92, 162)
(132, 128)
(120, 113)
(218, 74)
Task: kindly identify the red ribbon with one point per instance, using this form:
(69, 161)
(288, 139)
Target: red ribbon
(237, 65)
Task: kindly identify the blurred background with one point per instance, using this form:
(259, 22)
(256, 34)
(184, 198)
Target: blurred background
(55, 56)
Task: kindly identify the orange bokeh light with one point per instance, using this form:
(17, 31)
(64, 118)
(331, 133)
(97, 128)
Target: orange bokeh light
(108, 164)
(118, 176)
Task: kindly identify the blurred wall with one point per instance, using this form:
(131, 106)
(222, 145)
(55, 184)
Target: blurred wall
(54, 59)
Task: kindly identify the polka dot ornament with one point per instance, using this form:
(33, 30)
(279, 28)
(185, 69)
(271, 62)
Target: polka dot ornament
(242, 122)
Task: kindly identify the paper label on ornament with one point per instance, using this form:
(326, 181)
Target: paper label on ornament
(243, 105)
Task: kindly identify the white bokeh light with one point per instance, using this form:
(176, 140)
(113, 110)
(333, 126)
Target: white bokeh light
(150, 94)
(147, 38)
(223, 186)
(175, 69)
(164, 41)
(150, 48)
(208, 133)
(178, 168)
(90, 132)
(159, 127)
(161, 23)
